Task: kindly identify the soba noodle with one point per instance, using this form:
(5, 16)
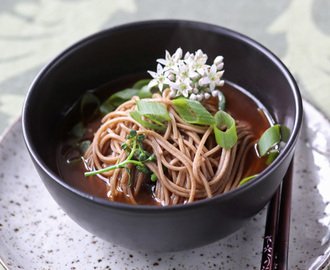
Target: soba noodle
(197, 167)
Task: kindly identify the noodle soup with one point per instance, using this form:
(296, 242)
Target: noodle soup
(250, 115)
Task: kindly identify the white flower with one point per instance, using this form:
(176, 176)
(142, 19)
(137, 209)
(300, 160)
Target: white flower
(218, 61)
(193, 97)
(159, 78)
(182, 87)
(190, 76)
(212, 77)
(171, 62)
(199, 97)
(214, 93)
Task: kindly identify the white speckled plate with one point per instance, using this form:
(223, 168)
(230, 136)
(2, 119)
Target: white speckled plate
(36, 234)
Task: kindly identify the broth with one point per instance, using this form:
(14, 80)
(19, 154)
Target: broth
(73, 173)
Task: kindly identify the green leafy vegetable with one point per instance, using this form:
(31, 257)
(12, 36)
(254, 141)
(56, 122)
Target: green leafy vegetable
(140, 88)
(268, 139)
(74, 153)
(136, 155)
(226, 139)
(122, 96)
(141, 83)
(89, 105)
(154, 111)
(193, 112)
(78, 130)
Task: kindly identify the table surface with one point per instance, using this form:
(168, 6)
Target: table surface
(33, 32)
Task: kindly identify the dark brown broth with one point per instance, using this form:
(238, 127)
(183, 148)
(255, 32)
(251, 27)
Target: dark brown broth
(73, 174)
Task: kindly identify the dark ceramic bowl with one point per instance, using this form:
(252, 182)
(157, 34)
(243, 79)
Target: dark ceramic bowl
(130, 49)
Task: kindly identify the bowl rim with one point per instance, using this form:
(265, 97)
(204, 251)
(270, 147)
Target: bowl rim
(159, 23)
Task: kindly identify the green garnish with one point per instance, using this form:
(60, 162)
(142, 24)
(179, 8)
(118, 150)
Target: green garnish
(193, 112)
(268, 139)
(136, 155)
(120, 97)
(154, 111)
(153, 177)
(140, 88)
(74, 153)
(266, 145)
(226, 139)
(272, 154)
(89, 106)
(246, 179)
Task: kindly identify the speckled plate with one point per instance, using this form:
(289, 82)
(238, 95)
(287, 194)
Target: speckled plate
(36, 234)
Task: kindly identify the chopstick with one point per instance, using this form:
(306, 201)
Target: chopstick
(277, 230)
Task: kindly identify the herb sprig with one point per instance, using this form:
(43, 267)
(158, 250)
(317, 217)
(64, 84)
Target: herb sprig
(136, 155)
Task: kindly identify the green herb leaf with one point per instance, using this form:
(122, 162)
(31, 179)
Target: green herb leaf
(141, 83)
(193, 112)
(77, 130)
(83, 146)
(145, 92)
(122, 96)
(226, 139)
(89, 105)
(268, 139)
(134, 149)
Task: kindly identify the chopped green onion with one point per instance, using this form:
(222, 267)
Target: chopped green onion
(246, 179)
(137, 116)
(226, 139)
(154, 111)
(271, 156)
(193, 112)
(268, 139)
(285, 133)
(222, 101)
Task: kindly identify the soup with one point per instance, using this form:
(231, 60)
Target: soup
(183, 160)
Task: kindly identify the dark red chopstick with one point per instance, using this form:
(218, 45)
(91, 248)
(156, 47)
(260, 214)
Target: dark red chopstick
(277, 230)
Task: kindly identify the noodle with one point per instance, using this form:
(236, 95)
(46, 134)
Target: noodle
(196, 166)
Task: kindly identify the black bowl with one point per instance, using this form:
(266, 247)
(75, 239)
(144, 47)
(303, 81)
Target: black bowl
(131, 49)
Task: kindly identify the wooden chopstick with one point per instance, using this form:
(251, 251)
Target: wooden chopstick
(277, 230)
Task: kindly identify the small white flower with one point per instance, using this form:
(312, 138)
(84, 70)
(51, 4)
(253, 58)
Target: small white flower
(214, 93)
(212, 77)
(193, 97)
(195, 90)
(218, 60)
(172, 93)
(159, 78)
(190, 76)
(182, 87)
(199, 97)
(171, 62)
